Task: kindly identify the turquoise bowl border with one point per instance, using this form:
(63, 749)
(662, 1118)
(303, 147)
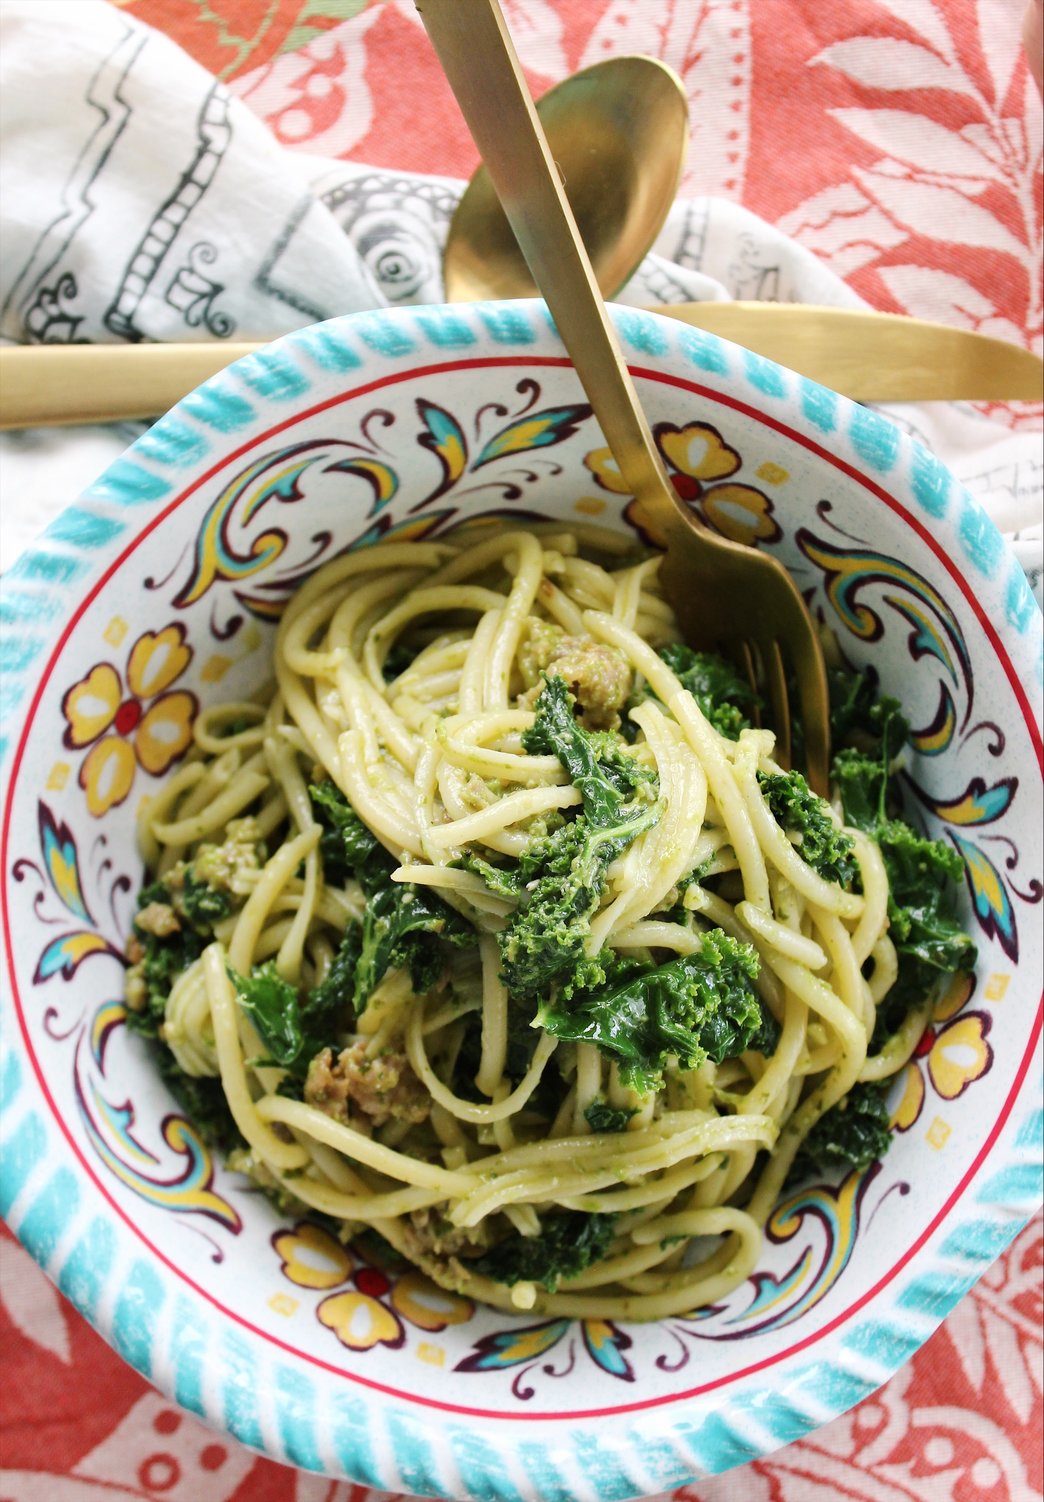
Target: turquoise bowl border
(245, 1385)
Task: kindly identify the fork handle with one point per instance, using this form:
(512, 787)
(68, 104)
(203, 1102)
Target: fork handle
(479, 60)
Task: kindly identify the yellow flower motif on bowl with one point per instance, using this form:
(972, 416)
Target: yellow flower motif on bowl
(700, 463)
(955, 1055)
(360, 1321)
(131, 721)
(960, 1055)
(365, 1305)
(312, 1258)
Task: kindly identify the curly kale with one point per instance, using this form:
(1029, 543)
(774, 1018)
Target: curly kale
(568, 1244)
(766, 1037)
(602, 1117)
(697, 1007)
(403, 925)
(862, 785)
(544, 944)
(202, 904)
(195, 906)
(273, 1006)
(561, 876)
(793, 805)
(722, 694)
(852, 1134)
(858, 712)
(346, 845)
(335, 994)
(294, 1026)
(502, 881)
(930, 942)
(164, 960)
(602, 772)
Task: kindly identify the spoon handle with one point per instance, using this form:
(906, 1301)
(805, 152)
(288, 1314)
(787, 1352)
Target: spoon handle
(479, 60)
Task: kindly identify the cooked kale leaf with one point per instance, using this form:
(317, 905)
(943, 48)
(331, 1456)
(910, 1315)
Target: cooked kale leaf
(346, 846)
(852, 1134)
(543, 945)
(204, 1102)
(273, 1006)
(604, 774)
(560, 876)
(165, 958)
(930, 942)
(699, 1006)
(502, 881)
(722, 695)
(403, 925)
(862, 783)
(203, 904)
(332, 1001)
(602, 1117)
(859, 712)
(794, 806)
(567, 1245)
(194, 909)
(725, 698)
(765, 1039)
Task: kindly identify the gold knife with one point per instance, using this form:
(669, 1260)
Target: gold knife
(866, 355)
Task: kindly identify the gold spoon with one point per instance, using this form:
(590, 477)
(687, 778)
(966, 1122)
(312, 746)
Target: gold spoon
(724, 595)
(618, 133)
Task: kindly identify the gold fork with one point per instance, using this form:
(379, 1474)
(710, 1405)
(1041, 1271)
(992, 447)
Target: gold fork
(727, 597)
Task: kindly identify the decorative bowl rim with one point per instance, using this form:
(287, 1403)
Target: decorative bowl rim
(812, 1395)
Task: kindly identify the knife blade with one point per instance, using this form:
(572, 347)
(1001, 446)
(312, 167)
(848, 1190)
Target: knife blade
(863, 354)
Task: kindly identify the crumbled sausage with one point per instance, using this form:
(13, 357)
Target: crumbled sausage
(598, 676)
(157, 918)
(381, 1088)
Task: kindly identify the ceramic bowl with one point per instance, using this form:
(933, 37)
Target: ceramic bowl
(157, 592)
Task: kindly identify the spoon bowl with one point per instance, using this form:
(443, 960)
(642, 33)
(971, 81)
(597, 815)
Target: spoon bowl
(618, 132)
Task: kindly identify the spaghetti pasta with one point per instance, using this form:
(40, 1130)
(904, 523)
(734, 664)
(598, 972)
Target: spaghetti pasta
(483, 925)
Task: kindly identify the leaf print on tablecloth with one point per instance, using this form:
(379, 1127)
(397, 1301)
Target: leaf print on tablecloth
(961, 171)
(924, 17)
(890, 63)
(938, 294)
(939, 212)
(1000, 43)
(920, 143)
(317, 16)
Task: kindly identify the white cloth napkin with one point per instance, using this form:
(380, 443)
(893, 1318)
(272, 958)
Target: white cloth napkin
(139, 200)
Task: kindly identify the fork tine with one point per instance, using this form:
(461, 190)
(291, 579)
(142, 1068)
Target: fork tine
(815, 719)
(743, 656)
(778, 702)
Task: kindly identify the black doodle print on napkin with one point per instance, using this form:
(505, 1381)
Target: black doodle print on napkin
(214, 133)
(397, 226)
(192, 293)
(288, 292)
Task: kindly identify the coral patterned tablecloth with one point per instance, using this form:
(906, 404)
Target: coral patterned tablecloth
(897, 140)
